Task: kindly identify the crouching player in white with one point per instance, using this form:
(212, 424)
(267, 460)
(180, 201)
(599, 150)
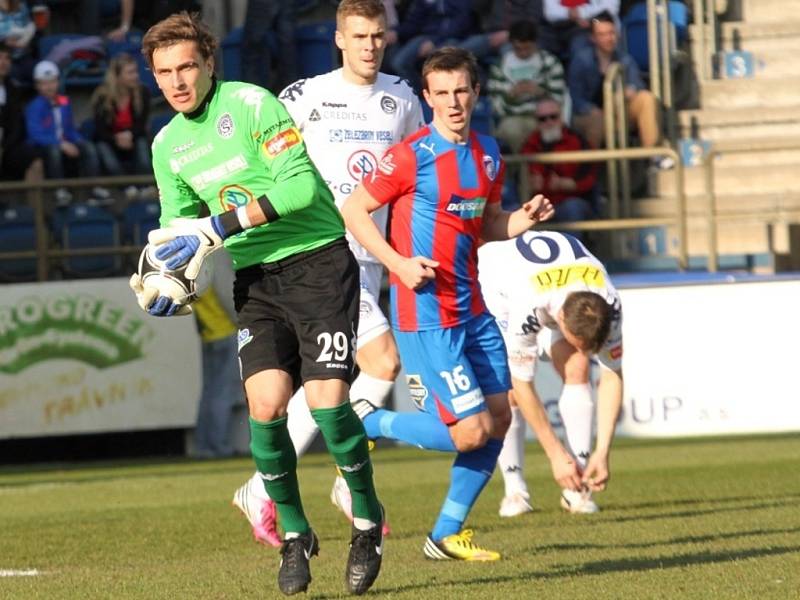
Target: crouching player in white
(348, 117)
(550, 295)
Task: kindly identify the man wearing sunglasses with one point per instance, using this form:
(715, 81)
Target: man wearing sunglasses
(569, 185)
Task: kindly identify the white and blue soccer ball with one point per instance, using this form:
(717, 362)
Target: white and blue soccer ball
(172, 283)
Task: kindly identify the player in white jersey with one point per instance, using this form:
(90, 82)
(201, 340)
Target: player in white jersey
(551, 296)
(348, 118)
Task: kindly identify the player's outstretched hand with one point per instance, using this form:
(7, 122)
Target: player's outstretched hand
(538, 209)
(151, 302)
(596, 475)
(417, 271)
(566, 472)
(187, 241)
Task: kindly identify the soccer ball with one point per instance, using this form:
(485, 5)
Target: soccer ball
(172, 283)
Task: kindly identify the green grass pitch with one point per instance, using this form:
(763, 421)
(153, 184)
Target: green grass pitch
(701, 518)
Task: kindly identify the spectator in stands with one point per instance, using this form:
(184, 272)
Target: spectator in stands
(121, 108)
(496, 17)
(567, 24)
(19, 158)
(260, 64)
(569, 185)
(585, 80)
(48, 118)
(17, 31)
(142, 14)
(390, 37)
(524, 76)
(427, 25)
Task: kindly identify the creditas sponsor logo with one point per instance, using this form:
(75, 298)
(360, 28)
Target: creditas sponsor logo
(177, 163)
(203, 179)
(466, 208)
(314, 116)
(79, 327)
(282, 141)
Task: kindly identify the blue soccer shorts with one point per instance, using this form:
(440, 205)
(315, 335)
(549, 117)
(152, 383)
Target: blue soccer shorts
(450, 371)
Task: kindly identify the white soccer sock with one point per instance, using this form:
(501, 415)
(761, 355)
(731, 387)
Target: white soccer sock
(512, 457)
(302, 427)
(577, 410)
(372, 389)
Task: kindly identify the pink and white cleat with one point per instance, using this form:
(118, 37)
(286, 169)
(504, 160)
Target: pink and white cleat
(261, 513)
(341, 499)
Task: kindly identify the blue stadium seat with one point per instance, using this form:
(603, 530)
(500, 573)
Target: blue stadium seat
(316, 51)
(482, 116)
(232, 55)
(634, 27)
(157, 122)
(85, 226)
(78, 73)
(139, 219)
(17, 232)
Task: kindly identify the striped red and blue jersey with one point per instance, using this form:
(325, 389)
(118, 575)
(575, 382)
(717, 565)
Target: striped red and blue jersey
(438, 191)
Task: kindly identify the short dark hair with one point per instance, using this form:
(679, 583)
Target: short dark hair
(6, 49)
(180, 27)
(603, 17)
(450, 58)
(523, 31)
(588, 317)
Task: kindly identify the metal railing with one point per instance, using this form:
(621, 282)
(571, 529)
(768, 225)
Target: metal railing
(678, 220)
(705, 20)
(659, 45)
(616, 135)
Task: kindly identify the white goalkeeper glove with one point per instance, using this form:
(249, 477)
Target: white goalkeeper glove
(187, 241)
(153, 303)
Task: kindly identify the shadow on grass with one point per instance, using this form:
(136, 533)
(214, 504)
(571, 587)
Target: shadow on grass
(589, 568)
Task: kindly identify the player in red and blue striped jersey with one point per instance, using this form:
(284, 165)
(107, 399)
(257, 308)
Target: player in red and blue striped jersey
(444, 184)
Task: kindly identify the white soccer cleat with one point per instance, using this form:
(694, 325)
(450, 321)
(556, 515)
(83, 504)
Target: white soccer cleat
(341, 499)
(578, 502)
(515, 505)
(262, 514)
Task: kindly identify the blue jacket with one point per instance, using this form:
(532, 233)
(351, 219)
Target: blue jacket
(585, 81)
(438, 19)
(41, 125)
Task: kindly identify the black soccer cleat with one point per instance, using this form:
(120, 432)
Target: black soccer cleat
(294, 574)
(364, 561)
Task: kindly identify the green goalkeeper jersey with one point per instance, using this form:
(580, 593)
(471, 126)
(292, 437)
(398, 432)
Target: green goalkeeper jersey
(239, 145)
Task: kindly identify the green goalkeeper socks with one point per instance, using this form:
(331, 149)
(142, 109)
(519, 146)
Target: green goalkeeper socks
(347, 443)
(276, 462)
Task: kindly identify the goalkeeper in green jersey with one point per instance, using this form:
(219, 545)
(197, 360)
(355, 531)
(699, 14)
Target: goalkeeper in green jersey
(234, 148)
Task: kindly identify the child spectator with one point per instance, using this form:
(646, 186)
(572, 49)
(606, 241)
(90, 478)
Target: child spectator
(121, 107)
(48, 118)
(525, 75)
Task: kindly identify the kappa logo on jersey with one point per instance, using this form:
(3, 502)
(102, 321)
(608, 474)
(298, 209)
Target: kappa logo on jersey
(234, 196)
(466, 208)
(314, 116)
(293, 91)
(251, 96)
(388, 105)
(490, 167)
(283, 141)
(361, 164)
(225, 126)
(387, 166)
(417, 391)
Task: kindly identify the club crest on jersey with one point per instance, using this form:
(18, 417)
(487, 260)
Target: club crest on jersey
(490, 167)
(314, 116)
(388, 105)
(466, 208)
(282, 141)
(234, 196)
(387, 166)
(361, 164)
(225, 126)
(417, 391)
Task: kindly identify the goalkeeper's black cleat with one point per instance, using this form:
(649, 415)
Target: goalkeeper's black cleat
(364, 561)
(294, 574)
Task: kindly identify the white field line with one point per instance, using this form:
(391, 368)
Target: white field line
(19, 572)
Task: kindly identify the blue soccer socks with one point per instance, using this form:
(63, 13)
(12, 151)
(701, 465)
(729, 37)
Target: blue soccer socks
(419, 429)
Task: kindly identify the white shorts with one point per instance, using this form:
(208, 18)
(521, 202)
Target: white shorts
(371, 320)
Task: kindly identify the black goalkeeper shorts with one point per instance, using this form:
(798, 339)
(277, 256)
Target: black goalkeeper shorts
(300, 315)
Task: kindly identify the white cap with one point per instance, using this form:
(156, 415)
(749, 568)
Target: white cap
(45, 71)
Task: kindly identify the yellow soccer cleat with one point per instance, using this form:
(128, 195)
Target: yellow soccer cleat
(458, 546)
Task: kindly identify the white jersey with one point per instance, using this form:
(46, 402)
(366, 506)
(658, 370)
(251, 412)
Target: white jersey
(348, 127)
(525, 282)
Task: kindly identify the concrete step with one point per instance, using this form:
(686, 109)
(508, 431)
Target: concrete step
(728, 205)
(769, 11)
(759, 94)
(754, 178)
(764, 157)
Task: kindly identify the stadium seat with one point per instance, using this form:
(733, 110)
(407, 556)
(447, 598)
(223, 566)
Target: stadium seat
(84, 226)
(316, 51)
(132, 44)
(232, 54)
(157, 122)
(482, 116)
(634, 26)
(139, 219)
(79, 72)
(17, 232)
